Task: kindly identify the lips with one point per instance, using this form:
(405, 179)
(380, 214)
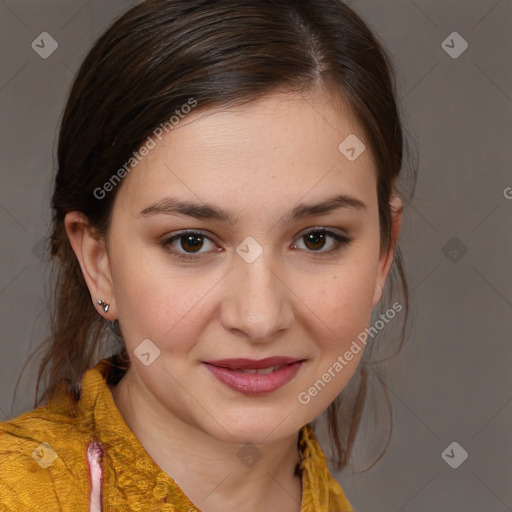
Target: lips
(253, 364)
(255, 376)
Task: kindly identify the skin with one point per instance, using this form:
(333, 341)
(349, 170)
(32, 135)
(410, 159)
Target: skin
(258, 161)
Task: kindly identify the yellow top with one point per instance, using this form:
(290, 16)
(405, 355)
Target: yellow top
(83, 457)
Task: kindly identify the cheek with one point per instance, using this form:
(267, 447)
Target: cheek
(167, 309)
(339, 314)
(343, 305)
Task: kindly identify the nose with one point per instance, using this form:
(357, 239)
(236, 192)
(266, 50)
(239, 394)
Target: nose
(258, 303)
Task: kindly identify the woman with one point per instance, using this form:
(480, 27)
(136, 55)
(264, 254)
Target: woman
(227, 203)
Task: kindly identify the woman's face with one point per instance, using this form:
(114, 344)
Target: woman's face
(259, 283)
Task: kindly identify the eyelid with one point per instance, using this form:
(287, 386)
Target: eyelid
(326, 229)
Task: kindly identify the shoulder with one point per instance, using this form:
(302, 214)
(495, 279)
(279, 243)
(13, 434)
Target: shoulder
(41, 452)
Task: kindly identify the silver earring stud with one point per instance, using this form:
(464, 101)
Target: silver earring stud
(104, 305)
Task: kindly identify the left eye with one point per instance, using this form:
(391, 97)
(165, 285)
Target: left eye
(315, 240)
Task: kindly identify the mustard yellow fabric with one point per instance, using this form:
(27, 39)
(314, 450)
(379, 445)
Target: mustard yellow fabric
(55, 476)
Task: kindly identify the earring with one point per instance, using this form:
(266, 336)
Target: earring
(104, 305)
(380, 289)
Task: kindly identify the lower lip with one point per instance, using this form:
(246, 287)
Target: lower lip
(254, 383)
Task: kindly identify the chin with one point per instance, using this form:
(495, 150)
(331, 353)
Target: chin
(258, 428)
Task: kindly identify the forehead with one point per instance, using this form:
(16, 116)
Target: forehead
(285, 142)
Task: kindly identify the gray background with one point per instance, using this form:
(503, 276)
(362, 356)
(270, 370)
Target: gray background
(452, 380)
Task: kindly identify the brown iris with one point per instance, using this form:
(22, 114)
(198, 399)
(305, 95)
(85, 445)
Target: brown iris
(192, 241)
(317, 238)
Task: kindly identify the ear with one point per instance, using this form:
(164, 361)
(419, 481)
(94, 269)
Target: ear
(387, 257)
(92, 256)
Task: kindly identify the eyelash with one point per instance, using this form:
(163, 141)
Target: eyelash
(341, 240)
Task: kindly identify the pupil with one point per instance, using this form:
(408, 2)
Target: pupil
(189, 240)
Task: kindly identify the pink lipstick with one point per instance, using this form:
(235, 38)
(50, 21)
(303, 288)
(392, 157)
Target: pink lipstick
(255, 376)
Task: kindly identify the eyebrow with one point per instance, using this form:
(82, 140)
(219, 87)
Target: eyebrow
(174, 206)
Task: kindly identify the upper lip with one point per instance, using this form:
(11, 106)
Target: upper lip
(246, 364)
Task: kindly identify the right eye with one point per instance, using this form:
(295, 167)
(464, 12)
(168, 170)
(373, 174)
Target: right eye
(189, 241)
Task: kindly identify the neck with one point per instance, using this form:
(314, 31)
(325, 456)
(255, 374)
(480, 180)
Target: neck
(264, 477)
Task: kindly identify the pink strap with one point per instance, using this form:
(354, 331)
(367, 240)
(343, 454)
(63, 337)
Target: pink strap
(94, 457)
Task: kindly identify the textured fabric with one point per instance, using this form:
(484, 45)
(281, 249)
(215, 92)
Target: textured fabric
(83, 457)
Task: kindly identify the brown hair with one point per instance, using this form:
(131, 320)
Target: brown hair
(148, 64)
